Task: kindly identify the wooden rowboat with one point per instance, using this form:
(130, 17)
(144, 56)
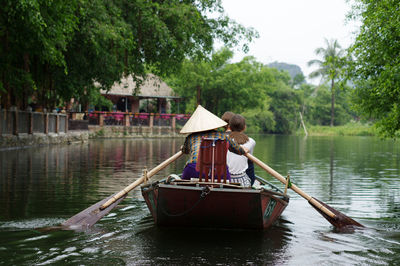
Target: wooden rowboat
(176, 202)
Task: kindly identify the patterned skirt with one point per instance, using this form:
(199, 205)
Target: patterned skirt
(242, 178)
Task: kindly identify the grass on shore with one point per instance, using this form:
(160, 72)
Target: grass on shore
(350, 129)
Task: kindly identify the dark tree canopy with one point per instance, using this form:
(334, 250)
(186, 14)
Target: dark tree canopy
(56, 50)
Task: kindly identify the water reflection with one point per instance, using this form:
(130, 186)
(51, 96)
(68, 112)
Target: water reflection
(60, 180)
(43, 186)
(208, 246)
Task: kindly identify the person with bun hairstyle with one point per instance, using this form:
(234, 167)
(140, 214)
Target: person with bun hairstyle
(238, 164)
(203, 124)
(250, 169)
(226, 117)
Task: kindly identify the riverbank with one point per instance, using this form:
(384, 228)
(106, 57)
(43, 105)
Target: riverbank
(109, 132)
(9, 141)
(350, 129)
(132, 132)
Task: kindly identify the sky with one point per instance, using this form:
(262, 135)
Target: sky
(291, 30)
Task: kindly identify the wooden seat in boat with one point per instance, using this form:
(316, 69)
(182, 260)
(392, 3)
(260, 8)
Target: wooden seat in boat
(211, 160)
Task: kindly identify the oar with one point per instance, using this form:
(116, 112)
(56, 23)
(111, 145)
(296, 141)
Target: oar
(336, 218)
(91, 215)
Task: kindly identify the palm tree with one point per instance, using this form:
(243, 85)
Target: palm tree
(329, 68)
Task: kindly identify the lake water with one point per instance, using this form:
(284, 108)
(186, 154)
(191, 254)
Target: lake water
(43, 186)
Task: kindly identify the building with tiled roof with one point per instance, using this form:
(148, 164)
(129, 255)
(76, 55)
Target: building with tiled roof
(154, 95)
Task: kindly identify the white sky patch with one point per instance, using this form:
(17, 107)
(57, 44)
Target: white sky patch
(291, 30)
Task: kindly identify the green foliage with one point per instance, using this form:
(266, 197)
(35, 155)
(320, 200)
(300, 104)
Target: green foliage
(285, 106)
(375, 66)
(260, 120)
(95, 99)
(34, 35)
(265, 96)
(100, 133)
(329, 68)
(317, 105)
(55, 50)
(320, 108)
(223, 86)
(262, 94)
(299, 79)
(349, 129)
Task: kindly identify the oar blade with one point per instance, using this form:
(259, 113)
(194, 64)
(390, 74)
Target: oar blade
(340, 221)
(91, 215)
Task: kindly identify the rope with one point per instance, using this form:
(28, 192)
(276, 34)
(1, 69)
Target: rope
(204, 192)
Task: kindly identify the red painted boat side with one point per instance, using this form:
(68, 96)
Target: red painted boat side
(177, 205)
(272, 208)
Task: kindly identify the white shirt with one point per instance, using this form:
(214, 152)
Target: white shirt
(237, 164)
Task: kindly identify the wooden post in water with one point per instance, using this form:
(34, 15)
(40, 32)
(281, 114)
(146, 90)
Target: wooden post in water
(30, 122)
(101, 119)
(2, 119)
(15, 120)
(46, 123)
(151, 121)
(66, 123)
(173, 124)
(57, 123)
(126, 120)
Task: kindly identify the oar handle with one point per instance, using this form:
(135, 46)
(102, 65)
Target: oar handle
(152, 172)
(293, 187)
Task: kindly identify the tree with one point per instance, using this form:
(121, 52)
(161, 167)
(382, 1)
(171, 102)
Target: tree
(224, 86)
(56, 50)
(34, 35)
(375, 68)
(329, 68)
(285, 107)
(298, 80)
(262, 94)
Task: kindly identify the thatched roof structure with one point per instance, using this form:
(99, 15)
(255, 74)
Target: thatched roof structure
(152, 87)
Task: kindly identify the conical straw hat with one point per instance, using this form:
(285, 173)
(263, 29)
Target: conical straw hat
(202, 120)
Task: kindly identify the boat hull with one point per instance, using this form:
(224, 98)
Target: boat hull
(208, 206)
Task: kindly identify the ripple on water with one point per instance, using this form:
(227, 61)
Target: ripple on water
(31, 223)
(351, 178)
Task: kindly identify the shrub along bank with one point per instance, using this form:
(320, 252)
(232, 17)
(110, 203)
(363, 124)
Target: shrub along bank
(350, 129)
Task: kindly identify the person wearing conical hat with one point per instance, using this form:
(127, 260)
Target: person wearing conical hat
(203, 124)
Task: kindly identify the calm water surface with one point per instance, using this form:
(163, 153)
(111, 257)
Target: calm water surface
(41, 187)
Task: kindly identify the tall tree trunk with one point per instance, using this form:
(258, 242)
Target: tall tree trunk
(53, 94)
(37, 75)
(332, 102)
(45, 86)
(25, 89)
(6, 95)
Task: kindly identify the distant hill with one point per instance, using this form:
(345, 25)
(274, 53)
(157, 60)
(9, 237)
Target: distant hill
(293, 70)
